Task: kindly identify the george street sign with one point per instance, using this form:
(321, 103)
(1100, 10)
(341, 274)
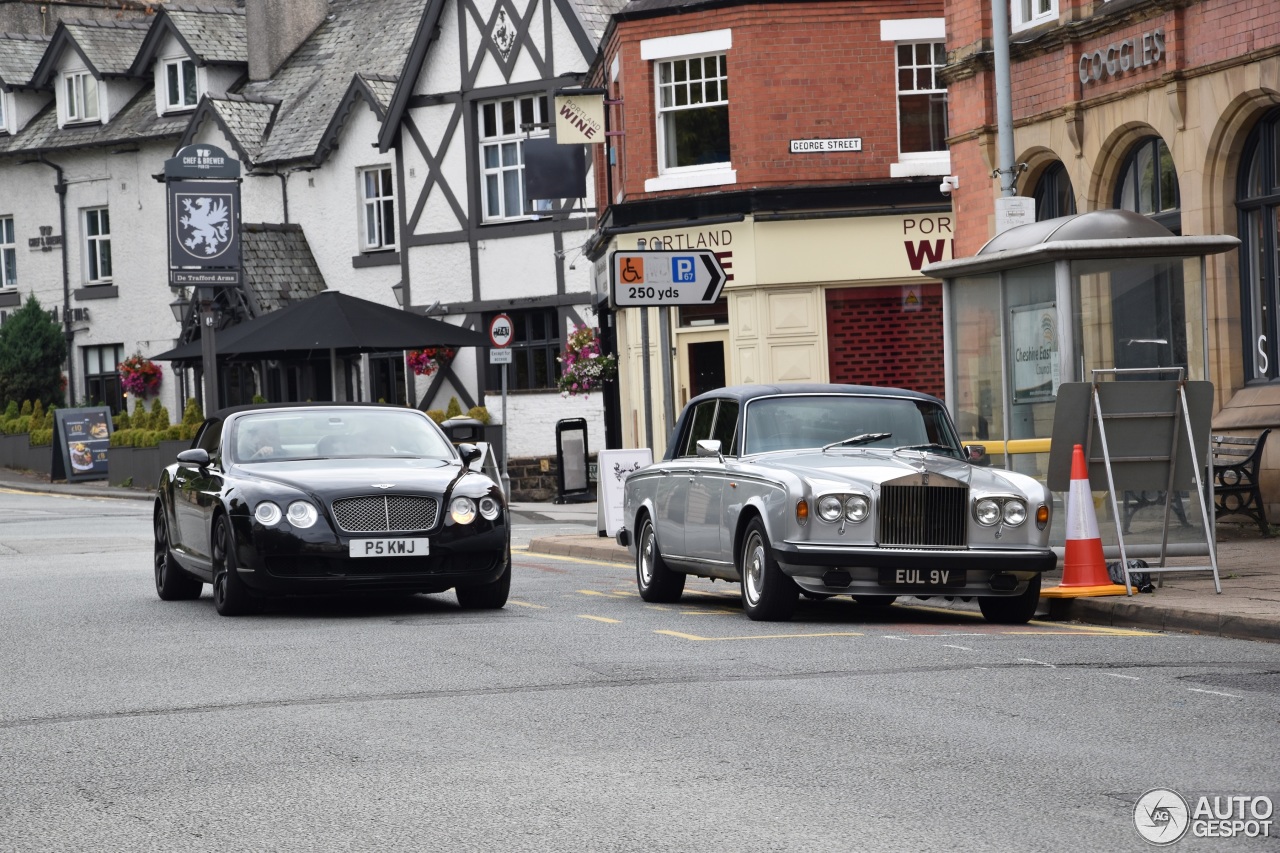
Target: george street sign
(675, 277)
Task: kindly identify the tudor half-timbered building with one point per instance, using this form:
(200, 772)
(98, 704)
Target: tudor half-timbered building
(478, 83)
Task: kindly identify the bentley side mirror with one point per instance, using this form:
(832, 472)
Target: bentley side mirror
(977, 455)
(710, 447)
(469, 454)
(197, 456)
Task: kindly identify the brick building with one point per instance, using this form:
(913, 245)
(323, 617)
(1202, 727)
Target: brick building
(1169, 109)
(804, 143)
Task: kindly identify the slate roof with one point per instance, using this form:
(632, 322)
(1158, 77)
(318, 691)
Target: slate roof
(136, 122)
(19, 56)
(245, 121)
(215, 33)
(595, 15)
(382, 88)
(278, 265)
(369, 37)
(109, 46)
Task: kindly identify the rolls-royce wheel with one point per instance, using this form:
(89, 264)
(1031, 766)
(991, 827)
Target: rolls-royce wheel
(1014, 610)
(486, 596)
(768, 595)
(875, 600)
(172, 582)
(230, 596)
(656, 581)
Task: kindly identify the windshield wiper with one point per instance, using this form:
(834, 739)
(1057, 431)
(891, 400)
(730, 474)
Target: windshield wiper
(937, 448)
(854, 441)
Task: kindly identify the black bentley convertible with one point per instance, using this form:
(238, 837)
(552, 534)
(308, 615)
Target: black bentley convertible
(328, 499)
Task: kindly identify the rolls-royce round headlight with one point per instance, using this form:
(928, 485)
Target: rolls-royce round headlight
(463, 510)
(856, 509)
(489, 508)
(1015, 512)
(302, 514)
(988, 512)
(829, 508)
(267, 513)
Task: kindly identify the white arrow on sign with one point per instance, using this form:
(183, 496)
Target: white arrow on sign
(674, 277)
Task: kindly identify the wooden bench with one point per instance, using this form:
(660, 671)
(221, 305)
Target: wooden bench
(1236, 489)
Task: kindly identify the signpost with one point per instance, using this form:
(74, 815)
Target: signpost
(501, 333)
(647, 279)
(203, 186)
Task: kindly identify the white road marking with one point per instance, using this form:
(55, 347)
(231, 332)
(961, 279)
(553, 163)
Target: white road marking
(1039, 662)
(961, 648)
(1118, 675)
(1214, 693)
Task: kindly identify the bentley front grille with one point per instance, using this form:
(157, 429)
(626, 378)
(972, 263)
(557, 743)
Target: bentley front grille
(923, 516)
(385, 513)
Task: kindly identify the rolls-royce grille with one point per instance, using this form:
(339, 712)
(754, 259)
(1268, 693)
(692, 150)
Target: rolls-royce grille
(923, 516)
(385, 513)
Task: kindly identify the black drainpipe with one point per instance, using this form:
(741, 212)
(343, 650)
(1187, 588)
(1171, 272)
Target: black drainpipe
(67, 332)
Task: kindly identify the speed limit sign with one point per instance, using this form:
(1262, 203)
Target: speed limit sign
(501, 331)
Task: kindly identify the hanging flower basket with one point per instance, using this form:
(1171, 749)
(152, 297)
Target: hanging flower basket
(583, 367)
(140, 376)
(424, 362)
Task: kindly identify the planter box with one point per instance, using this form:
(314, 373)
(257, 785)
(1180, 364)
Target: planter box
(13, 449)
(138, 466)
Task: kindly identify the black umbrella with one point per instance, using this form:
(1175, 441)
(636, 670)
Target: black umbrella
(333, 322)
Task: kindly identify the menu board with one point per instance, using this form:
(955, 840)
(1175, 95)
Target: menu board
(81, 438)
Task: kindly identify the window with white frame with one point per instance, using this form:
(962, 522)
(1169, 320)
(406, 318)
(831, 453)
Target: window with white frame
(97, 246)
(8, 253)
(4, 122)
(180, 84)
(502, 153)
(693, 112)
(378, 206)
(922, 99)
(1031, 13)
(80, 96)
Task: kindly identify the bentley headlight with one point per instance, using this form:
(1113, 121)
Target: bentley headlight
(268, 514)
(1015, 512)
(462, 510)
(829, 508)
(988, 512)
(856, 508)
(489, 508)
(302, 514)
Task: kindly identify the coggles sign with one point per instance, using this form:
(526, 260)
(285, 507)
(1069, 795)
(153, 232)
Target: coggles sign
(1130, 54)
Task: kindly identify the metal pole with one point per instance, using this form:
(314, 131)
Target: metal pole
(647, 378)
(208, 351)
(506, 436)
(668, 386)
(1004, 95)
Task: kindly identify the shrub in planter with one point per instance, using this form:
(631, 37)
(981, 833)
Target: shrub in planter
(41, 437)
(436, 415)
(191, 414)
(454, 409)
(480, 413)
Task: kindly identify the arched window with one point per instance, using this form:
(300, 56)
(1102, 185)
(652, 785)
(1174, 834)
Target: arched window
(1149, 184)
(1054, 195)
(1258, 201)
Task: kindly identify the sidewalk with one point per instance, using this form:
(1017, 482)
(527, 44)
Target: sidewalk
(1248, 564)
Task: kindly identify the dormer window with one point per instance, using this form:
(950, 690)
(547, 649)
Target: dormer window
(81, 90)
(180, 85)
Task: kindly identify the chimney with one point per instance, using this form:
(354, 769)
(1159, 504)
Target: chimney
(276, 28)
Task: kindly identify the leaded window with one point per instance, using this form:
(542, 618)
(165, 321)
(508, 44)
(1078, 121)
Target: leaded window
(1258, 203)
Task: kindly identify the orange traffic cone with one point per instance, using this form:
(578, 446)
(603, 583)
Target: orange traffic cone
(1084, 568)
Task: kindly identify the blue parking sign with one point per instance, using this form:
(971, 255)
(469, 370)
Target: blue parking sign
(683, 269)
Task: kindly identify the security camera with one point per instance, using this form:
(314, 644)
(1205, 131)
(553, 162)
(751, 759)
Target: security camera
(949, 183)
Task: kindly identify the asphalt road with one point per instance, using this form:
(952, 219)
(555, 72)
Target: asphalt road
(580, 718)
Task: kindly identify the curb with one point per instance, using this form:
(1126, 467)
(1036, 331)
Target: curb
(604, 550)
(1122, 614)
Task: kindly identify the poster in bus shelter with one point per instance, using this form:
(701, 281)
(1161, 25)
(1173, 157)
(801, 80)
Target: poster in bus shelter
(81, 438)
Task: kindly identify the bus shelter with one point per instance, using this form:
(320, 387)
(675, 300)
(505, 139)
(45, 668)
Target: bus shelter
(1050, 302)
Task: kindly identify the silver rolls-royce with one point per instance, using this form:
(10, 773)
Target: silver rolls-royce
(834, 490)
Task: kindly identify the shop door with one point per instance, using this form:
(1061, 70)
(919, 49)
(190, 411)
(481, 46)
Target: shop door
(702, 364)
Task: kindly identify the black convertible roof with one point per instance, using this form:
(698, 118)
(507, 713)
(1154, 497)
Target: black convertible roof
(750, 392)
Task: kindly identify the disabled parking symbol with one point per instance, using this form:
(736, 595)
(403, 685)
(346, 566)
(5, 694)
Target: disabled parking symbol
(683, 269)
